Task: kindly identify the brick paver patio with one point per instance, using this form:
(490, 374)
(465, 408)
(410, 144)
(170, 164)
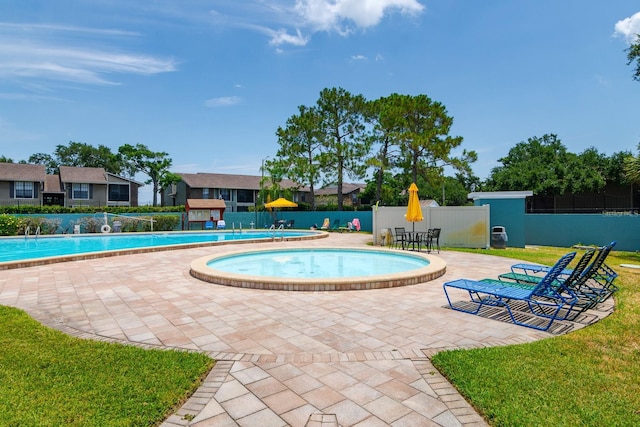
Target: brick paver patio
(350, 358)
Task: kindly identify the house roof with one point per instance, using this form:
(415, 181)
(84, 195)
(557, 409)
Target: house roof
(22, 172)
(113, 178)
(82, 175)
(52, 184)
(205, 204)
(219, 180)
(500, 195)
(429, 203)
(347, 188)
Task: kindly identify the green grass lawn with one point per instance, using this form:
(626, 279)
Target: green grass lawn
(48, 378)
(590, 377)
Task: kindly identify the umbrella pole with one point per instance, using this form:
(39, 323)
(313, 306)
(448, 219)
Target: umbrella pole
(413, 237)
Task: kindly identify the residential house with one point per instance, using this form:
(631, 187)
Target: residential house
(96, 187)
(350, 193)
(240, 192)
(22, 184)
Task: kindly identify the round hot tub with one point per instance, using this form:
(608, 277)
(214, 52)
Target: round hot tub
(318, 269)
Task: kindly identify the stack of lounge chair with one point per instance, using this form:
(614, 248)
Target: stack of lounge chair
(552, 293)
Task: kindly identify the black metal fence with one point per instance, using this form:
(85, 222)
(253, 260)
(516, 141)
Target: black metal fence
(584, 203)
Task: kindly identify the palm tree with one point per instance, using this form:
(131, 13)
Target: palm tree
(632, 168)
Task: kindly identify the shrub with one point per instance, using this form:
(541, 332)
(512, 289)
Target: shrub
(45, 225)
(165, 222)
(27, 209)
(9, 225)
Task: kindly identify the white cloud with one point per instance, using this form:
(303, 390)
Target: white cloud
(295, 25)
(335, 15)
(27, 52)
(281, 37)
(222, 101)
(358, 58)
(629, 28)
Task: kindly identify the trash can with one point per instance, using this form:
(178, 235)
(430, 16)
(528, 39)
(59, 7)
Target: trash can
(499, 237)
(117, 226)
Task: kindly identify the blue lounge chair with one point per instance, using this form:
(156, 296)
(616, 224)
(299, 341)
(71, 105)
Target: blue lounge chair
(594, 283)
(543, 299)
(533, 279)
(562, 284)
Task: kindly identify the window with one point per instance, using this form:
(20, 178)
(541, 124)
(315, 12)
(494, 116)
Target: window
(245, 196)
(205, 193)
(81, 191)
(24, 190)
(225, 194)
(118, 192)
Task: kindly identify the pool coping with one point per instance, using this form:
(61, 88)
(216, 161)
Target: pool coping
(31, 262)
(436, 268)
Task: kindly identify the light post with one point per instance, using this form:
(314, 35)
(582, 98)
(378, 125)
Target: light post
(262, 183)
(262, 180)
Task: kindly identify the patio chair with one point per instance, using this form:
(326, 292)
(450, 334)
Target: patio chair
(290, 223)
(542, 299)
(400, 237)
(432, 237)
(325, 224)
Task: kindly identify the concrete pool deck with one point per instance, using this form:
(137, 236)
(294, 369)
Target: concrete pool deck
(348, 358)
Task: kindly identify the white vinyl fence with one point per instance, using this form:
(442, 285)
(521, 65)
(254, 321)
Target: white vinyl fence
(462, 226)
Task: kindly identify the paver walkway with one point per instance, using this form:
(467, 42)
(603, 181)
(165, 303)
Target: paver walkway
(354, 358)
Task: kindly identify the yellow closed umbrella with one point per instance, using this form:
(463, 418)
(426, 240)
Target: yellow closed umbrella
(414, 212)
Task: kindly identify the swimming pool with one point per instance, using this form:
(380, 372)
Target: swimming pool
(317, 263)
(318, 269)
(21, 251)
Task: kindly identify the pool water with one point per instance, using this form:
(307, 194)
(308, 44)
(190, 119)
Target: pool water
(318, 263)
(21, 248)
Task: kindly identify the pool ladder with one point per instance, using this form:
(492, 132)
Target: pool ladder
(275, 231)
(27, 231)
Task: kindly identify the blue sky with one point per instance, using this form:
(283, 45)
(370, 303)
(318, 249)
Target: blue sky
(210, 81)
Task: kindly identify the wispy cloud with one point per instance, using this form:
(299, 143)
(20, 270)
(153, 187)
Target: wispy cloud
(61, 53)
(359, 58)
(281, 37)
(628, 28)
(223, 101)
